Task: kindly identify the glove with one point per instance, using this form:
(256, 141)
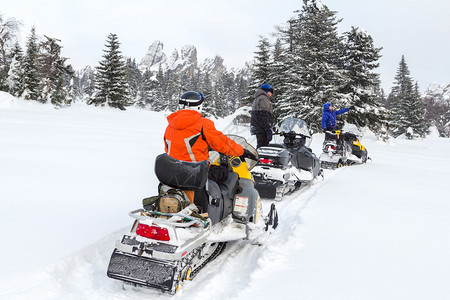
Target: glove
(269, 135)
(248, 154)
(351, 107)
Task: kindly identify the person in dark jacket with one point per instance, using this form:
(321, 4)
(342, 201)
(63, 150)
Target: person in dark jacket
(261, 121)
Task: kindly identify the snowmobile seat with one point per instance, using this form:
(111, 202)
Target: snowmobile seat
(179, 174)
(305, 159)
(220, 202)
(216, 207)
(348, 136)
(230, 186)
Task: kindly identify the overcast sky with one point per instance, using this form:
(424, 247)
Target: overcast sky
(418, 29)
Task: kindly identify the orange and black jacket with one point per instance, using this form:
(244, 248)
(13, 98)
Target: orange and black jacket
(188, 135)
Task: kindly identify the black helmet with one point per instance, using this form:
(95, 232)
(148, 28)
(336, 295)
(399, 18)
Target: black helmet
(191, 100)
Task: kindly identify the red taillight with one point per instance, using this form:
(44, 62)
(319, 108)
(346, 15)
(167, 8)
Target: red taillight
(266, 160)
(153, 232)
(331, 148)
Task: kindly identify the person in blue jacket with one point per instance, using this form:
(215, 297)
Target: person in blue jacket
(329, 116)
(329, 120)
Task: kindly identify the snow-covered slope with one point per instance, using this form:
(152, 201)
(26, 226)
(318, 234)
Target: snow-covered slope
(69, 177)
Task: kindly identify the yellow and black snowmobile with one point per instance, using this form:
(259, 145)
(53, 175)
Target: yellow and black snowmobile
(171, 239)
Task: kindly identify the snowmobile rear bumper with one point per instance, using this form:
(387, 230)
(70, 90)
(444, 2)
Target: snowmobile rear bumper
(143, 271)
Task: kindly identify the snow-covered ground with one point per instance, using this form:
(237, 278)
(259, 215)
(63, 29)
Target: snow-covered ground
(69, 177)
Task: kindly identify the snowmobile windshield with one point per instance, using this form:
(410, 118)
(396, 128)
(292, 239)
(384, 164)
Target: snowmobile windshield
(296, 125)
(213, 155)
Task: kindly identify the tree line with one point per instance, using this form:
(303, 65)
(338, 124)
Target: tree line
(41, 74)
(308, 64)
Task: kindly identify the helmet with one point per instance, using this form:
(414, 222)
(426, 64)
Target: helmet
(191, 100)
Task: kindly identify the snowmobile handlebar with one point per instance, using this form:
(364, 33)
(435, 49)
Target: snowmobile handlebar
(292, 134)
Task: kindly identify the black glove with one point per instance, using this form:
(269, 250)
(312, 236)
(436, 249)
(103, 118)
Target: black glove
(248, 154)
(351, 107)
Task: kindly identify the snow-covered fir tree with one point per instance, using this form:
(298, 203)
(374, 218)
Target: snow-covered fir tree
(9, 31)
(31, 77)
(283, 76)
(15, 79)
(415, 110)
(362, 88)
(158, 95)
(208, 91)
(407, 114)
(111, 80)
(53, 72)
(314, 55)
(261, 71)
(231, 94)
(134, 77)
(241, 83)
(437, 104)
(220, 96)
(144, 96)
(84, 83)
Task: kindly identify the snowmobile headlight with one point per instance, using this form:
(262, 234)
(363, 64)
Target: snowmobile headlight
(153, 232)
(286, 176)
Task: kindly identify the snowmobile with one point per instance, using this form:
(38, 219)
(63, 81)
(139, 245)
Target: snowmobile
(288, 164)
(171, 239)
(342, 148)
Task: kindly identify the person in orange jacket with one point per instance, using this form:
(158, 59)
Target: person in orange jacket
(189, 135)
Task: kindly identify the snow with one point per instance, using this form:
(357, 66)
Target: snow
(69, 177)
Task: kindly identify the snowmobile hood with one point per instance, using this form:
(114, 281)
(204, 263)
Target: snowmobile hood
(183, 118)
(326, 107)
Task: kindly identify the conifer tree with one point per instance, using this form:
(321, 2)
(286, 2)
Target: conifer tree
(415, 110)
(158, 94)
(209, 103)
(241, 83)
(15, 79)
(31, 78)
(134, 77)
(261, 70)
(360, 59)
(144, 96)
(407, 114)
(53, 71)
(9, 31)
(437, 108)
(314, 54)
(283, 76)
(174, 90)
(88, 86)
(111, 81)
